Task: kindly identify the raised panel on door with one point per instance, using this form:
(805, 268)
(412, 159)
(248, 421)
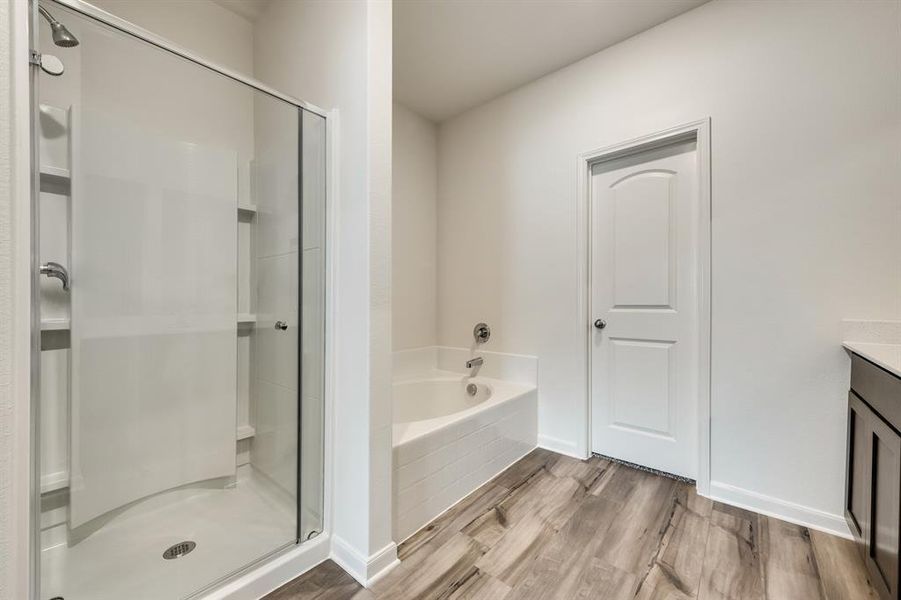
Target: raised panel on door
(857, 484)
(643, 236)
(641, 381)
(885, 507)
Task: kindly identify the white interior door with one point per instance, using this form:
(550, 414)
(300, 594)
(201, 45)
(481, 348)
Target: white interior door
(644, 359)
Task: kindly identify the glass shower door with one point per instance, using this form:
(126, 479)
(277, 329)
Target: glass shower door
(181, 425)
(153, 321)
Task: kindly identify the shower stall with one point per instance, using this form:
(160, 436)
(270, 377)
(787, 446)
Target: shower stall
(180, 278)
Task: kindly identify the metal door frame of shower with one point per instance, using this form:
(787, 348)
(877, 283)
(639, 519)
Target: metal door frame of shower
(279, 564)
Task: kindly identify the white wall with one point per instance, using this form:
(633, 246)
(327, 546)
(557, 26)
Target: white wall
(337, 55)
(201, 26)
(806, 173)
(413, 229)
(15, 277)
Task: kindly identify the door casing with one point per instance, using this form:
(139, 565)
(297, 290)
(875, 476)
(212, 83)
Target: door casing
(699, 131)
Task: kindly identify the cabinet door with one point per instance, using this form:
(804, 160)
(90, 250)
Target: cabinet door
(857, 476)
(884, 507)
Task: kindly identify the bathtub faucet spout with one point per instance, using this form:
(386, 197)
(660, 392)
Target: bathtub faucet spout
(474, 362)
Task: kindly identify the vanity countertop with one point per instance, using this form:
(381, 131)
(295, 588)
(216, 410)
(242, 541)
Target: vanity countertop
(887, 356)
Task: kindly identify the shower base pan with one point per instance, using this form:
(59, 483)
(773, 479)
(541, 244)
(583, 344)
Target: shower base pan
(231, 527)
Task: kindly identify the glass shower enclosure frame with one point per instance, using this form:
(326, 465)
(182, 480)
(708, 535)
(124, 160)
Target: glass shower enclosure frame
(309, 173)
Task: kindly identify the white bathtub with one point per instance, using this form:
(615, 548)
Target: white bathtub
(448, 443)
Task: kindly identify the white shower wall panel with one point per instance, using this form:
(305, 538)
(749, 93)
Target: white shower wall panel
(153, 332)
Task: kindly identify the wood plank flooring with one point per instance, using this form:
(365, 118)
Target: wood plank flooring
(553, 527)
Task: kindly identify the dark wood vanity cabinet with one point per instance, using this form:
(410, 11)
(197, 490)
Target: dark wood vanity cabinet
(873, 478)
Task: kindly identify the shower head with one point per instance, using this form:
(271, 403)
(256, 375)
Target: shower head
(61, 36)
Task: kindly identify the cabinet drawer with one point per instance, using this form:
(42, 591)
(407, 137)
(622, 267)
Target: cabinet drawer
(879, 388)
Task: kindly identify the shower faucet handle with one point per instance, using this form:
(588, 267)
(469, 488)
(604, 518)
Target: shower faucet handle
(54, 269)
(481, 332)
(281, 325)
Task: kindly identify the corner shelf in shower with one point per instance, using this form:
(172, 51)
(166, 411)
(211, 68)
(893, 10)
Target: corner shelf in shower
(56, 324)
(245, 432)
(247, 209)
(53, 482)
(55, 179)
(56, 126)
(62, 323)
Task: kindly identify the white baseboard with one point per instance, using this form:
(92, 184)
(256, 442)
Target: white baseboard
(349, 559)
(365, 570)
(275, 573)
(780, 509)
(560, 446)
(382, 562)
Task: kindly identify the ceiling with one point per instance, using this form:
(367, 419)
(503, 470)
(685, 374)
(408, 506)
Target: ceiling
(249, 9)
(451, 55)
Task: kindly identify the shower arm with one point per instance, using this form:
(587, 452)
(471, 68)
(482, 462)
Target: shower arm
(46, 14)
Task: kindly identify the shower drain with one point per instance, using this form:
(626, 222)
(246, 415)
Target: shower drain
(178, 550)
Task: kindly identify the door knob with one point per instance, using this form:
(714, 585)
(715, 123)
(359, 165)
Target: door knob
(600, 323)
(281, 325)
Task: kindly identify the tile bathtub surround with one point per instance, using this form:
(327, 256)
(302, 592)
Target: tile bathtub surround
(435, 471)
(519, 368)
(410, 364)
(872, 332)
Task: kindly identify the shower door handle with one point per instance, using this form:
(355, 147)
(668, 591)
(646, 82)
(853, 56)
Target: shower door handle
(281, 325)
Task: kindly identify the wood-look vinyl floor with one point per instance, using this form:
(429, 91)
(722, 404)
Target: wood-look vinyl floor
(553, 527)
